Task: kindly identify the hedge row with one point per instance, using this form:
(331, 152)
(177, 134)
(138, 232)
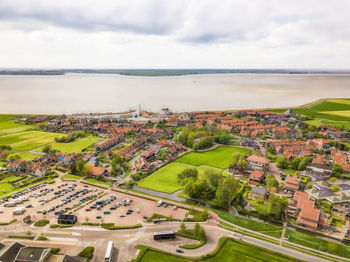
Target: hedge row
(111, 226)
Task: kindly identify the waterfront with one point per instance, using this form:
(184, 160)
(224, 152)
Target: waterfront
(84, 93)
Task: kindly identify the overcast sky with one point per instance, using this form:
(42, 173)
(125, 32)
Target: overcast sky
(175, 34)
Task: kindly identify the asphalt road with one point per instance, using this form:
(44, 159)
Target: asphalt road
(126, 240)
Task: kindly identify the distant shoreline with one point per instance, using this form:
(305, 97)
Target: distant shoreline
(167, 72)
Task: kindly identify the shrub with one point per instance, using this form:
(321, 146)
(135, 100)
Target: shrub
(87, 253)
(55, 250)
(41, 223)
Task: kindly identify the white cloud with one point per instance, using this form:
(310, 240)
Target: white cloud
(175, 34)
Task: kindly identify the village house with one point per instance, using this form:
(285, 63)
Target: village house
(292, 183)
(257, 177)
(259, 193)
(255, 162)
(308, 216)
(319, 169)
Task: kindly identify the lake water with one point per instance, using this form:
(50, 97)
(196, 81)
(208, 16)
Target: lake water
(83, 93)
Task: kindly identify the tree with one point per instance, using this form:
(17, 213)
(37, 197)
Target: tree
(295, 163)
(15, 156)
(277, 205)
(199, 189)
(333, 179)
(227, 190)
(87, 170)
(271, 181)
(182, 227)
(47, 149)
(337, 170)
(79, 165)
(282, 162)
(162, 154)
(188, 173)
(214, 177)
(335, 188)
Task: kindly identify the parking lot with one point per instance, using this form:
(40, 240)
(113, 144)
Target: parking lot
(45, 201)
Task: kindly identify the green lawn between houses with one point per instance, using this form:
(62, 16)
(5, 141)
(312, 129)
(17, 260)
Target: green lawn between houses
(228, 250)
(165, 179)
(220, 157)
(76, 146)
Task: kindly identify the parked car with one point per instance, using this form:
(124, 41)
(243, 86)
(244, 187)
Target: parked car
(179, 250)
(98, 217)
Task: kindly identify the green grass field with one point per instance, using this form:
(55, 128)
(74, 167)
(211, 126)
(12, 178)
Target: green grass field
(318, 243)
(328, 109)
(265, 228)
(165, 178)
(25, 141)
(231, 251)
(345, 113)
(8, 126)
(76, 146)
(97, 182)
(28, 156)
(220, 157)
(70, 177)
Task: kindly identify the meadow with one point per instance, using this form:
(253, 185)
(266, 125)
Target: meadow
(220, 157)
(165, 178)
(26, 141)
(228, 250)
(328, 109)
(76, 146)
(318, 243)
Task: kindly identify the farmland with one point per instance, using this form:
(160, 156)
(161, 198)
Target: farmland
(25, 141)
(328, 109)
(220, 157)
(231, 250)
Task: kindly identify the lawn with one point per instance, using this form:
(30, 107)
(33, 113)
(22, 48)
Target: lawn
(265, 228)
(76, 146)
(220, 157)
(70, 177)
(232, 250)
(98, 182)
(6, 188)
(8, 126)
(318, 243)
(165, 178)
(340, 113)
(25, 141)
(28, 156)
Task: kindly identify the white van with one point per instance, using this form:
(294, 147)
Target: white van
(10, 204)
(160, 202)
(19, 210)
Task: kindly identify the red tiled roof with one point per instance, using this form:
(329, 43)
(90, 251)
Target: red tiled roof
(256, 158)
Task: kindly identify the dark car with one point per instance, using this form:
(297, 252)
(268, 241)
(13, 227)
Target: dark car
(98, 217)
(179, 250)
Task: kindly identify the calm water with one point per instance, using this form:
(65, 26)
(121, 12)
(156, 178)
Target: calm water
(112, 93)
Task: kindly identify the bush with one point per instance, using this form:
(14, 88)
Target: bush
(87, 253)
(111, 226)
(90, 224)
(55, 250)
(198, 216)
(41, 223)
